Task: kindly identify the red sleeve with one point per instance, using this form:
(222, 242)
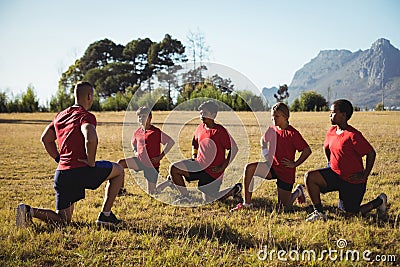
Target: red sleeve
(229, 141)
(361, 145)
(326, 142)
(266, 137)
(299, 143)
(51, 125)
(89, 118)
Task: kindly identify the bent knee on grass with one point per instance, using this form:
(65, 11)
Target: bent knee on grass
(314, 178)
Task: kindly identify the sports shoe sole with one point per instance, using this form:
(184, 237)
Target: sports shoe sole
(108, 225)
(21, 219)
(382, 209)
(316, 217)
(302, 198)
(240, 206)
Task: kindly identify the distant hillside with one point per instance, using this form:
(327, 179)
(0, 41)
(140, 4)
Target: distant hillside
(357, 76)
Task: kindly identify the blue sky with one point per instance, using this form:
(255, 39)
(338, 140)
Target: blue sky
(266, 41)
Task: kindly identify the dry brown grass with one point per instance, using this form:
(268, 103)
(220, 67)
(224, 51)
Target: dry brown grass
(157, 234)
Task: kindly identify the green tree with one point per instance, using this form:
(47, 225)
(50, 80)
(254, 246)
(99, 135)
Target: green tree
(312, 101)
(113, 78)
(117, 102)
(170, 79)
(190, 79)
(99, 54)
(295, 105)
(379, 107)
(112, 68)
(239, 101)
(136, 53)
(165, 54)
(14, 105)
(253, 102)
(70, 77)
(223, 85)
(29, 101)
(96, 106)
(61, 100)
(3, 102)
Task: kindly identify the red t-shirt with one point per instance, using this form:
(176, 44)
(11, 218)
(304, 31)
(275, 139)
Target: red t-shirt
(147, 144)
(71, 143)
(212, 145)
(283, 144)
(347, 150)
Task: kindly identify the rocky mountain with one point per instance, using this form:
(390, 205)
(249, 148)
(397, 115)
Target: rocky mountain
(358, 76)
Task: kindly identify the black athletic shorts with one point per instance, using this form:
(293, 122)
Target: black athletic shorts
(206, 183)
(279, 183)
(150, 173)
(351, 194)
(70, 184)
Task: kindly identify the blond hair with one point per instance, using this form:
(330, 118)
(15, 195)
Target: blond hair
(282, 108)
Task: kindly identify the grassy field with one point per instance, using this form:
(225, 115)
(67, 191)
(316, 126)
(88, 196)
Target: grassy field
(158, 234)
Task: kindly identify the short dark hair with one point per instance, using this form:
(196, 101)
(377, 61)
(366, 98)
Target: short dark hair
(345, 106)
(143, 110)
(82, 87)
(210, 106)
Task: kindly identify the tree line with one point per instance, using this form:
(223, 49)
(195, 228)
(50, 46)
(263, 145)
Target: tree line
(150, 73)
(147, 71)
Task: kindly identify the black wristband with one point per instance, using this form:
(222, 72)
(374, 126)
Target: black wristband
(57, 159)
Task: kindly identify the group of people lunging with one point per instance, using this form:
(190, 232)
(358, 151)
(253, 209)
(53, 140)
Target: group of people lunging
(71, 140)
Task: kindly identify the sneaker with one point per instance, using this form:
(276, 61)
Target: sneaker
(170, 183)
(316, 216)
(23, 215)
(122, 192)
(104, 220)
(302, 197)
(237, 189)
(182, 199)
(382, 209)
(241, 206)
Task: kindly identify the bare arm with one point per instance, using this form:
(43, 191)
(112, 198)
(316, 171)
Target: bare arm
(231, 156)
(327, 152)
(303, 156)
(264, 149)
(167, 148)
(369, 163)
(195, 147)
(89, 133)
(48, 139)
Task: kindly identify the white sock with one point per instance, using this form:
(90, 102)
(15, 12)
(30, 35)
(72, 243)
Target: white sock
(107, 213)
